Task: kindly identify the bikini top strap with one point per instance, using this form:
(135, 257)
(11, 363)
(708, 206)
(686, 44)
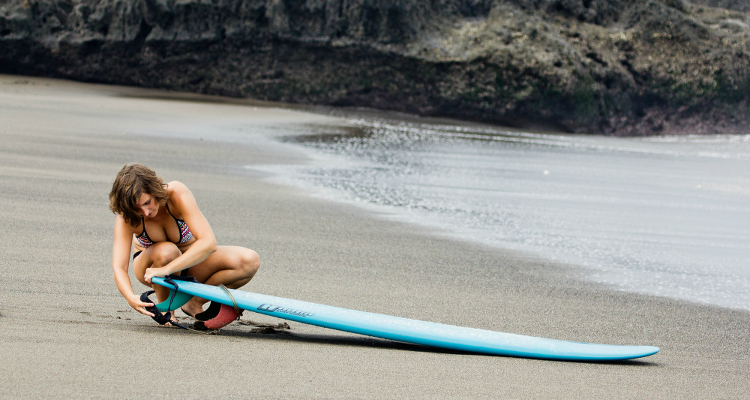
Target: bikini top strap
(170, 212)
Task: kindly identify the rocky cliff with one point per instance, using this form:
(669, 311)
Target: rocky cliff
(625, 67)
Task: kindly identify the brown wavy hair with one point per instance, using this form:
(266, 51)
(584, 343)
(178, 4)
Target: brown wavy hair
(131, 182)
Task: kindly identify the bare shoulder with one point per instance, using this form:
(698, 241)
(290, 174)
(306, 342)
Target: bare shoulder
(178, 190)
(176, 186)
(179, 194)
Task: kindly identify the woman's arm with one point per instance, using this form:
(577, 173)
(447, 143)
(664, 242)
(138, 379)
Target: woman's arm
(120, 263)
(184, 204)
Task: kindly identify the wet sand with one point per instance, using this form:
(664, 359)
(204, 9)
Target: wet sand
(65, 331)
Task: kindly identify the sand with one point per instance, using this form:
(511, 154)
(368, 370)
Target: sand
(65, 331)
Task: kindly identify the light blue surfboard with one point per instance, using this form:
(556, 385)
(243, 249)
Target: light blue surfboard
(412, 331)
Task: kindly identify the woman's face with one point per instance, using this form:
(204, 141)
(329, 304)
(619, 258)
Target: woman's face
(148, 205)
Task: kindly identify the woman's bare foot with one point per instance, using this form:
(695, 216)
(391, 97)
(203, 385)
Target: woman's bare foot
(171, 319)
(192, 309)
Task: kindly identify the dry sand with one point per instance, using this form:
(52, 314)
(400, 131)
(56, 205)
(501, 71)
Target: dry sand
(65, 331)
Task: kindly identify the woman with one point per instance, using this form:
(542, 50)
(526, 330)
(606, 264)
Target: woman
(171, 237)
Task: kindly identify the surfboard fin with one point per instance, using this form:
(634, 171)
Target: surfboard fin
(222, 315)
(179, 300)
(161, 319)
(211, 312)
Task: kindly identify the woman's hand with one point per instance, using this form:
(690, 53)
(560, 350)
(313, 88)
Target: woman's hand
(139, 306)
(152, 272)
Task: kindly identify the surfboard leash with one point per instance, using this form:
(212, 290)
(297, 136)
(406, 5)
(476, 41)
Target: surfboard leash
(164, 319)
(161, 319)
(237, 308)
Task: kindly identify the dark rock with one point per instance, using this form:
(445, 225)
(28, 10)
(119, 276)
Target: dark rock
(737, 5)
(598, 66)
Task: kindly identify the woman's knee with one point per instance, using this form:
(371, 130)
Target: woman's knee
(158, 255)
(164, 253)
(249, 262)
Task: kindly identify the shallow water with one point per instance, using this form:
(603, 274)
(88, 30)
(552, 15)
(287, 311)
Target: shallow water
(668, 216)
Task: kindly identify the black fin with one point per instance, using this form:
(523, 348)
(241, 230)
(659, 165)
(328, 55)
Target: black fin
(199, 326)
(210, 313)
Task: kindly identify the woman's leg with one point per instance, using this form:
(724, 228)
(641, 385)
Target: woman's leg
(157, 256)
(232, 266)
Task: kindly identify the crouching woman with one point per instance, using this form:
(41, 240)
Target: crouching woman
(171, 237)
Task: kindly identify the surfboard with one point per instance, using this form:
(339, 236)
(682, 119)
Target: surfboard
(412, 331)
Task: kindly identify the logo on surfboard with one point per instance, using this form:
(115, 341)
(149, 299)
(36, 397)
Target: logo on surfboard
(279, 309)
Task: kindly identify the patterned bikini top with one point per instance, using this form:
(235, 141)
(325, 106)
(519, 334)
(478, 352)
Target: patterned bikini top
(185, 234)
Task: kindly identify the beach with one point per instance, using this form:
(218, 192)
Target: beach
(65, 331)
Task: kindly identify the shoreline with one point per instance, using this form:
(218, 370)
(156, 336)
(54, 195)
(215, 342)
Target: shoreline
(66, 331)
(338, 174)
